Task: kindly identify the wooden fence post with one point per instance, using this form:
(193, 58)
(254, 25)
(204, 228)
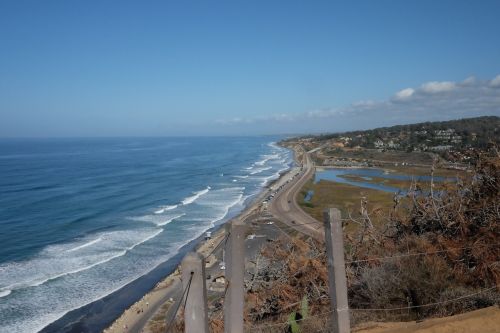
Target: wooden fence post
(235, 272)
(337, 280)
(193, 277)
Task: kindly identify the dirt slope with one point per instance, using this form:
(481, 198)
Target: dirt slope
(480, 321)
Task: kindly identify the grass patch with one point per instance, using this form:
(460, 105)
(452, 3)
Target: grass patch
(347, 198)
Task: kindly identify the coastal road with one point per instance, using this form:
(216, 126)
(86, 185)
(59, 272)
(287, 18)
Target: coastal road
(284, 207)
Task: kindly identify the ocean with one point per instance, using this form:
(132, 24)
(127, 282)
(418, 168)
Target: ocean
(82, 218)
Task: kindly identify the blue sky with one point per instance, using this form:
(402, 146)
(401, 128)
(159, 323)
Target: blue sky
(149, 68)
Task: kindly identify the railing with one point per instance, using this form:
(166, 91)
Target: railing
(194, 295)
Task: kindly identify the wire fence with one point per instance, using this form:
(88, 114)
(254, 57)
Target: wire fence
(285, 324)
(420, 253)
(183, 299)
(408, 308)
(223, 241)
(283, 228)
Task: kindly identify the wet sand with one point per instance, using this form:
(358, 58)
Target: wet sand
(135, 318)
(168, 291)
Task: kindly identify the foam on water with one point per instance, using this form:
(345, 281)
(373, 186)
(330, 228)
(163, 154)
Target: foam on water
(170, 220)
(257, 171)
(66, 276)
(56, 261)
(164, 209)
(193, 198)
(85, 245)
(44, 303)
(158, 220)
(267, 158)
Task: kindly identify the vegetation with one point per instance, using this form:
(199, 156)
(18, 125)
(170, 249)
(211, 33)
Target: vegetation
(347, 198)
(453, 141)
(473, 132)
(457, 225)
(435, 252)
(435, 246)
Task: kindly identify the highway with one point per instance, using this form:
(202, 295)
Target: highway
(284, 205)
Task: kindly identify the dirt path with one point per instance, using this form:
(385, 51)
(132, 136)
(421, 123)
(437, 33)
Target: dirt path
(480, 321)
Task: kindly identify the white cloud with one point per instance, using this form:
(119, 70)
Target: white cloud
(431, 101)
(404, 94)
(469, 81)
(322, 113)
(437, 87)
(366, 103)
(495, 82)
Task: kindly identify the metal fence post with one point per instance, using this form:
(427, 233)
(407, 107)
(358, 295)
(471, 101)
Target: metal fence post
(193, 277)
(337, 280)
(235, 272)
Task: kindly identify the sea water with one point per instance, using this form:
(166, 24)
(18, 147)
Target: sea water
(81, 218)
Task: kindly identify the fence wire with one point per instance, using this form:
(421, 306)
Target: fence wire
(184, 294)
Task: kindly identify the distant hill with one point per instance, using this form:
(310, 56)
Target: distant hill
(429, 136)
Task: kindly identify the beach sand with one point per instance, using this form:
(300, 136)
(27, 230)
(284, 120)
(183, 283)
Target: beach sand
(168, 291)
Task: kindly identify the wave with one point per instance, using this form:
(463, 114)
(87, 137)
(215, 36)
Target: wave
(219, 202)
(38, 306)
(239, 199)
(85, 245)
(267, 158)
(164, 209)
(260, 170)
(5, 292)
(274, 145)
(119, 254)
(46, 305)
(170, 220)
(37, 265)
(191, 199)
(273, 176)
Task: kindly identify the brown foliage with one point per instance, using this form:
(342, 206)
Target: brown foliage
(456, 225)
(289, 270)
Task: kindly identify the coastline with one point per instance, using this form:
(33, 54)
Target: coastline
(117, 310)
(168, 289)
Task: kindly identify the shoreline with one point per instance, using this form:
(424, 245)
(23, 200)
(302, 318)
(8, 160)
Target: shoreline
(136, 317)
(104, 314)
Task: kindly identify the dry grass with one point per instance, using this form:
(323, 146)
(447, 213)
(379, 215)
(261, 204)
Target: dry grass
(347, 198)
(456, 224)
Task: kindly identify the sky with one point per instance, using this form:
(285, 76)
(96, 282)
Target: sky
(170, 68)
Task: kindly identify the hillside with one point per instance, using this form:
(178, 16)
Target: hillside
(455, 140)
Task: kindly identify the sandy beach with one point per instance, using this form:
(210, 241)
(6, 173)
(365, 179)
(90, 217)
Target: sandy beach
(167, 292)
